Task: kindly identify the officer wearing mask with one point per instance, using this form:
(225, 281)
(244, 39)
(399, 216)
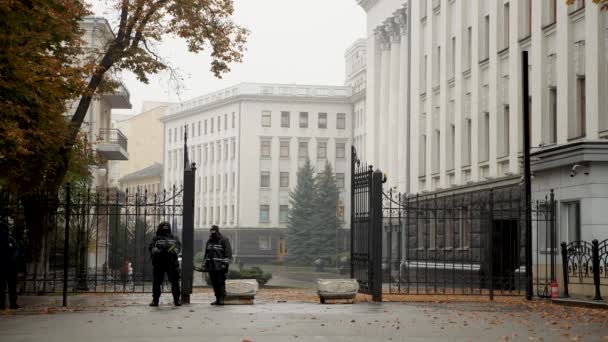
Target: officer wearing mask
(9, 252)
(165, 249)
(218, 254)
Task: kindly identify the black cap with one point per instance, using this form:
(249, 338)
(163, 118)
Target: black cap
(215, 228)
(164, 225)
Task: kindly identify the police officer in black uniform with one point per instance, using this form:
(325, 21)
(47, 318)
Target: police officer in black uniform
(9, 252)
(218, 254)
(165, 249)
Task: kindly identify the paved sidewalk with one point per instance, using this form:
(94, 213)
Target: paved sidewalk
(105, 318)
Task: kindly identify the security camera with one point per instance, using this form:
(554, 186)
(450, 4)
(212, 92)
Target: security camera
(574, 170)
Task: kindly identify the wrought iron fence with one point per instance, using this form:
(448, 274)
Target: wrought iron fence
(584, 264)
(85, 241)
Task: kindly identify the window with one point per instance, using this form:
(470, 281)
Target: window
(225, 150)
(552, 122)
(435, 151)
(265, 179)
(321, 149)
(453, 58)
(503, 129)
(284, 181)
(303, 120)
(225, 182)
(233, 120)
(205, 126)
(205, 215)
(283, 213)
(573, 219)
(219, 150)
(219, 123)
(551, 11)
(205, 184)
(469, 51)
(211, 215)
(303, 149)
(233, 150)
(233, 180)
(264, 213)
(464, 228)
(576, 118)
(217, 214)
(264, 241)
(169, 135)
(484, 134)
(285, 119)
(486, 39)
(212, 124)
(225, 123)
(218, 185)
(322, 120)
(340, 150)
(422, 156)
(284, 150)
(505, 31)
(451, 147)
(211, 184)
(206, 153)
(340, 210)
(527, 8)
(232, 213)
(265, 151)
(266, 118)
(340, 180)
(341, 121)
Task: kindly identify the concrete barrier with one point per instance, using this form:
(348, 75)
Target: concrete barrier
(337, 290)
(240, 291)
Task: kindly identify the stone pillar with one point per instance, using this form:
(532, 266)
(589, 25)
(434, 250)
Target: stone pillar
(393, 104)
(384, 99)
(403, 114)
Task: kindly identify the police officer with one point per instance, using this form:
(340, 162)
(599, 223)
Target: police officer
(218, 254)
(9, 251)
(165, 249)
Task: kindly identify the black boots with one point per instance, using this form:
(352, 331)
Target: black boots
(154, 302)
(218, 301)
(177, 302)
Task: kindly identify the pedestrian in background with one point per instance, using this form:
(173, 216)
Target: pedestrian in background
(165, 249)
(218, 255)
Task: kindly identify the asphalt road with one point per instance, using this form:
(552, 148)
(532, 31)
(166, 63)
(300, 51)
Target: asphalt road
(130, 319)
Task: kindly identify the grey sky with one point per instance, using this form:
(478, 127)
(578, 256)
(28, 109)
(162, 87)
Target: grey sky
(291, 41)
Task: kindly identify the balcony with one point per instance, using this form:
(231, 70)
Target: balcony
(112, 144)
(119, 99)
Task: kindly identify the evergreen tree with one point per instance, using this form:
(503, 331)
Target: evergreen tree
(299, 225)
(325, 220)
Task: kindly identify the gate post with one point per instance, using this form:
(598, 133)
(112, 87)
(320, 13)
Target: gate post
(565, 268)
(66, 245)
(596, 268)
(375, 240)
(491, 244)
(188, 232)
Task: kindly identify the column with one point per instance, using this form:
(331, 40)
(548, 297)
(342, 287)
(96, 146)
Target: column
(384, 99)
(393, 104)
(402, 121)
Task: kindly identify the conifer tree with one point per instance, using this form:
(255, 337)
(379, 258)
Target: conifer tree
(325, 220)
(299, 225)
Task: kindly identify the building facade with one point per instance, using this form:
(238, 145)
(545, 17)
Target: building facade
(463, 102)
(355, 60)
(248, 142)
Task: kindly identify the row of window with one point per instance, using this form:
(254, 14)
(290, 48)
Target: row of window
(203, 127)
(303, 123)
(150, 189)
(284, 179)
(266, 148)
(207, 216)
(210, 152)
(214, 183)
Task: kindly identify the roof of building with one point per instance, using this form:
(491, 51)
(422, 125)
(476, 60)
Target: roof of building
(155, 169)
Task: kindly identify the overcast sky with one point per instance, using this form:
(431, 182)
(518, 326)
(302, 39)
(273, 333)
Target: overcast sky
(291, 41)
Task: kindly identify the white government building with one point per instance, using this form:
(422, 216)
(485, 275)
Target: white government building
(247, 142)
(444, 99)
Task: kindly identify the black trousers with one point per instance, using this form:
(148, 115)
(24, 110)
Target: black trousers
(8, 279)
(218, 280)
(159, 276)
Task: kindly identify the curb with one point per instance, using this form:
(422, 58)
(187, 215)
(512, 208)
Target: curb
(581, 303)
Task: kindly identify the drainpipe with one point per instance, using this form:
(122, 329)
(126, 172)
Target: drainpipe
(409, 98)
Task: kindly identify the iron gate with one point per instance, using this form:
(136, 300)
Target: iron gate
(108, 232)
(451, 242)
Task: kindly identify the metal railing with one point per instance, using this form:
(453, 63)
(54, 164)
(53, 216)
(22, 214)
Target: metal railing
(113, 136)
(585, 263)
